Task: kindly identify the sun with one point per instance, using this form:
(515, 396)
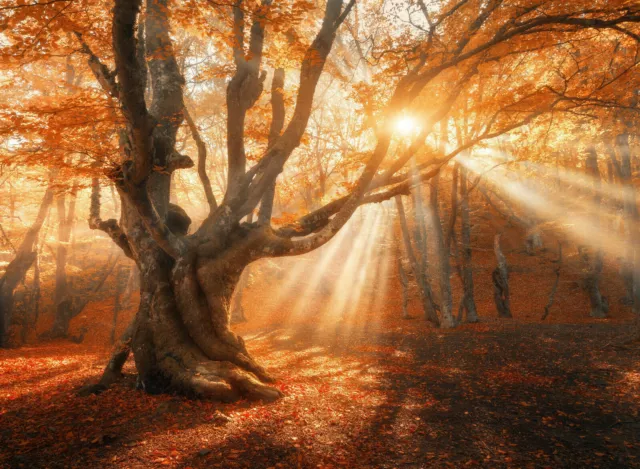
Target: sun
(406, 125)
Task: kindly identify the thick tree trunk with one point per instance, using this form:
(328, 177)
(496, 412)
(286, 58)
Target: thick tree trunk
(18, 267)
(468, 300)
(181, 340)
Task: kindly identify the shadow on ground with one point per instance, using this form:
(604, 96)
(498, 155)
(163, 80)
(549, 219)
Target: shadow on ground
(490, 395)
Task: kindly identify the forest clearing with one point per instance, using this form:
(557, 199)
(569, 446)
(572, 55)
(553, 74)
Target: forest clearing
(319, 234)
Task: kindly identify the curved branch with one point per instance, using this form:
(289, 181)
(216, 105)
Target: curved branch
(110, 227)
(276, 244)
(105, 77)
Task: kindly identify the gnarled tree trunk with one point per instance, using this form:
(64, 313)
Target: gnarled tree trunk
(180, 339)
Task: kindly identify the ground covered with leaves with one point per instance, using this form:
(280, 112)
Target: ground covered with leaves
(505, 394)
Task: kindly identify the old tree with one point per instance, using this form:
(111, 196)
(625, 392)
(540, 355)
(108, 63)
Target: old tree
(423, 55)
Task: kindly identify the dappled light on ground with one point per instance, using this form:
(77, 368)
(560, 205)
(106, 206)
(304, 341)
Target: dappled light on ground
(487, 395)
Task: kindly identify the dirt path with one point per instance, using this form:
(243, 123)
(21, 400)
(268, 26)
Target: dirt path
(484, 396)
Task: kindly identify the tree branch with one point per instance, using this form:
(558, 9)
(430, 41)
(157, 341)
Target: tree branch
(202, 161)
(110, 227)
(243, 90)
(267, 170)
(132, 82)
(277, 123)
(105, 77)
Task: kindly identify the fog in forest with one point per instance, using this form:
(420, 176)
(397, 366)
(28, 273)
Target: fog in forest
(319, 234)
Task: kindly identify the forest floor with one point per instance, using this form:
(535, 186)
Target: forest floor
(366, 389)
(494, 394)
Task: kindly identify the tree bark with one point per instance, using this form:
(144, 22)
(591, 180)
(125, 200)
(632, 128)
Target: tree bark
(121, 279)
(237, 311)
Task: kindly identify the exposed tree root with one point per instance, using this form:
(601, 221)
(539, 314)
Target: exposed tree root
(182, 344)
(113, 371)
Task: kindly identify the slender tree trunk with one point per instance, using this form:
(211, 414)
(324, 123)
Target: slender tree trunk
(468, 301)
(594, 256)
(501, 281)
(451, 226)
(62, 296)
(420, 235)
(554, 289)
(632, 235)
(404, 283)
(422, 279)
(442, 254)
(31, 318)
(18, 267)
